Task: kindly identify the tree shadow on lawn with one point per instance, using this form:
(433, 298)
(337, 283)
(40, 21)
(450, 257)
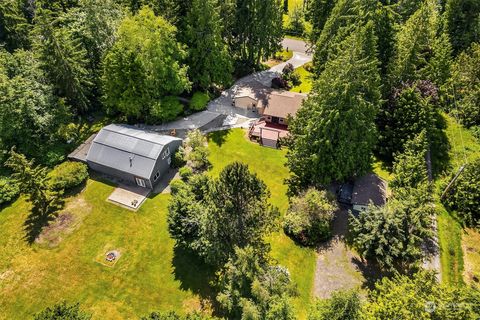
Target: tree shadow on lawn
(34, 224)
(195, 275)
(219, 137)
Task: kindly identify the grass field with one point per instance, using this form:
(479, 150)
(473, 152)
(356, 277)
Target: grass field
(306, 81)
(463, 146)
(150, 274)
(269, 165)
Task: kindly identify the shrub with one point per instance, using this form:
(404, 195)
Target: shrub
(9, 190)
(178, 159)
(67, 175)
(279, 83)
(166, 110)
(199, 158)
(342, 305)
(464, 195)
(309, 217)
(199, 101)
(176, 185)
(185, 173)
(63, 311)
(195, 139)
(289, 68)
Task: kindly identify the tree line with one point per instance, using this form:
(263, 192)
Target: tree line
(61, 61)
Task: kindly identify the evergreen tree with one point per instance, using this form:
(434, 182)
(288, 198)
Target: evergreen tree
(420, 297)
(64, 60)
(412, 108)
(143, 67)
(462, 19)
(30, 114)
(14, 26)
(63, 311)
(208, 56)
(334, 132)
(414, 45)
(410, 167)
(464, 86)
(318, 13)
(346, 16)
(257, 31)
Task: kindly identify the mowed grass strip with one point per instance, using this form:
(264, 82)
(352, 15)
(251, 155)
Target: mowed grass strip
(147, 277)
(269, 164)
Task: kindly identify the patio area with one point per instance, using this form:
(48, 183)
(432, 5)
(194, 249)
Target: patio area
(268, 134)
(129, 197)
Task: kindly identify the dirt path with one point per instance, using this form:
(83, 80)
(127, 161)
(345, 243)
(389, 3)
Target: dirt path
(338, 268)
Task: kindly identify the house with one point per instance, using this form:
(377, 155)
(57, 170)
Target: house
(369, 189)
(135, 156)
(274, 106)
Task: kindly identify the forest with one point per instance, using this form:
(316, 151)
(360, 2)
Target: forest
(389, 81)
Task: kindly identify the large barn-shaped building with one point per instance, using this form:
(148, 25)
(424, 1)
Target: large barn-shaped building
(133, 155)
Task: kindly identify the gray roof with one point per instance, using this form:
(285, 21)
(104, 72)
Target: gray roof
(128, 149)
(370, 188)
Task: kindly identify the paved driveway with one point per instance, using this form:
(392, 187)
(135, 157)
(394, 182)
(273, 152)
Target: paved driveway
(221, 107)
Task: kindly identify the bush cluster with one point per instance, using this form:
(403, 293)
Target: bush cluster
(67, 175)
(199, 101)
(9, 190)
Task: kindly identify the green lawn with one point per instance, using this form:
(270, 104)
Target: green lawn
(269, 165)
(146, 277)
(150, 274)
(463, 145)
(306, 81)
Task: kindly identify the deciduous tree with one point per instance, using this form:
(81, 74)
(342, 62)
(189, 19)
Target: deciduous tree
(143, 66)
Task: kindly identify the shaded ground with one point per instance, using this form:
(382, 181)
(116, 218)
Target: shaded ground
(337, 266)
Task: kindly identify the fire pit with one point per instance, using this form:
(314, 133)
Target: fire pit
(111, 256)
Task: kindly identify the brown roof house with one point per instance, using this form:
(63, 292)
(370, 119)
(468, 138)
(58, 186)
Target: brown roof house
(275, 107)
(369, 189)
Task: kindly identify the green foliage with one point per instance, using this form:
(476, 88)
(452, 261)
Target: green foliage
(143, 66)
(334, 133)
(411, 109)
(464, 195)
(410, 167)
(176, 185)
(33, 181)
(179, 158)
(167, 109)
(174, 316)
(256, 30)
(67, 176)
(392, 235)
(462, 19)
(296, 21)
(309, 217)
(414, 45)
(465, 84)
(346, 17)
(208, 57)
(250, 288)
(63, 311)
(318, 13)
(343, 305)
(94, 23)
(29, 112)
(9, 190)
(63, 59)
(420, 297)
(199, 101)
(213, 217)
(185, 173)
(14, 27)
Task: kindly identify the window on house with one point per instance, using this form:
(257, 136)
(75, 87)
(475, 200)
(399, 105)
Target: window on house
(166, 153)
(157, 175)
